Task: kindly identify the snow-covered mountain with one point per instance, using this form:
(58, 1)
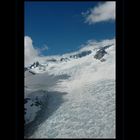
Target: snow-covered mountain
(76, 92)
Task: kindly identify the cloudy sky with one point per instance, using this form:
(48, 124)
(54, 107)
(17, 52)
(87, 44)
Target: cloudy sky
(59, 27)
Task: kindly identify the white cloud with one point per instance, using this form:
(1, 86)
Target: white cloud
(41, 50)
(45, 48)
(30, 53)
(94, 44)
(102, 12)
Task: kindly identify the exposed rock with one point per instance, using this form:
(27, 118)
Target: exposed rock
(26, 100)
(99, 54)
(37, 64)
(64, 59)
(102, 60)
(33, 104)
(32, 72)
(51, 60)
(25, 69)
(34, 65)
(105, 47)
(82, 54)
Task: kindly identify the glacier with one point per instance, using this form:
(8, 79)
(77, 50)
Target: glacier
(76, 95)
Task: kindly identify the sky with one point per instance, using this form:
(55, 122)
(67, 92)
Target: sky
(53, 28)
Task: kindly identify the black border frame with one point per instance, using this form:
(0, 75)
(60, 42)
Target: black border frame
(19, 67)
